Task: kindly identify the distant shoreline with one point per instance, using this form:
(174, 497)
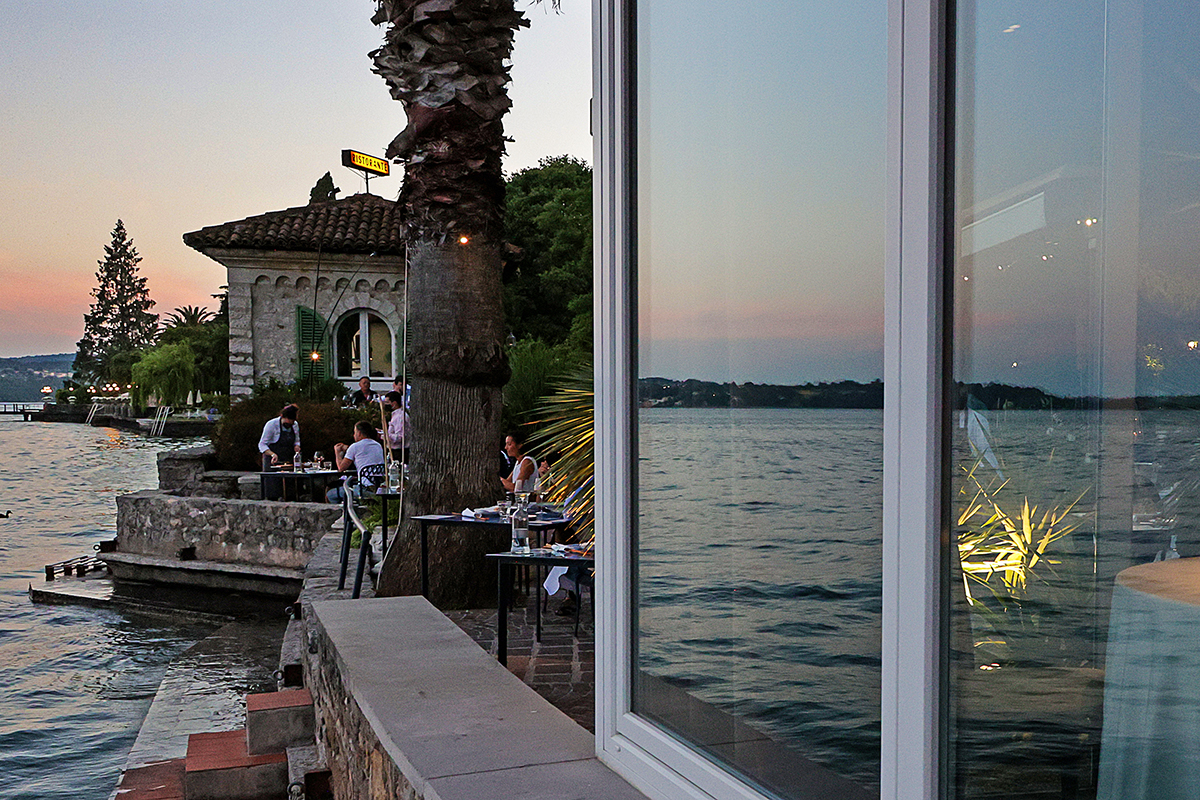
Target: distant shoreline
(657, 392)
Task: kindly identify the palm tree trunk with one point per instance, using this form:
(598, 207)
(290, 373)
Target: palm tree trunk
(445, 60)
(458, 369)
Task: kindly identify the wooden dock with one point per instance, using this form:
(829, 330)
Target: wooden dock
(26, 410)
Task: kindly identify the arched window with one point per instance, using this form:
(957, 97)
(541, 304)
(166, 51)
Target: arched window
(376, 359)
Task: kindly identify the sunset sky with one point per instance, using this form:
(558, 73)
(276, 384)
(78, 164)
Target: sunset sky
(172, 117)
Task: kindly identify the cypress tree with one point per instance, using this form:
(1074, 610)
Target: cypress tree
(119, 322)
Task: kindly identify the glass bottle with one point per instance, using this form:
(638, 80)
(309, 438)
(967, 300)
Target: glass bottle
(520, 527)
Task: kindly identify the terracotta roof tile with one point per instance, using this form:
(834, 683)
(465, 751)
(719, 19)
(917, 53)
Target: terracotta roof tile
(360, 223)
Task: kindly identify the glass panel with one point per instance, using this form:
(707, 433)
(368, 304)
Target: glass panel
(1075, 453)
(349, 362)
(381, 347)
(760, 164)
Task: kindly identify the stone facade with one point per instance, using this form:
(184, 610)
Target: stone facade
(333, 257)
(260, 533)
(265, 289)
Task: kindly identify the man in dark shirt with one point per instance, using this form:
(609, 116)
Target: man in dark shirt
(364, 395)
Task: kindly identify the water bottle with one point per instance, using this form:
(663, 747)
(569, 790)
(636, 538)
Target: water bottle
(297, 463)
(520, 529)
(393, 480)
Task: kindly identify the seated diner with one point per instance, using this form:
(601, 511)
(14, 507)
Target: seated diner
(364, 456)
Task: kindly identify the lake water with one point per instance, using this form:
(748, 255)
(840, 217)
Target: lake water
(76, 681)
(760, 571)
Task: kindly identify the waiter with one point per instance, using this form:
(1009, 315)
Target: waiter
(280, 437)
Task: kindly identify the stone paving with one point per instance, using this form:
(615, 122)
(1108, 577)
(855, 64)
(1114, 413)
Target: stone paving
(560, 668)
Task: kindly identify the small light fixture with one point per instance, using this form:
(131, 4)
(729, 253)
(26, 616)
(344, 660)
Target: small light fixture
(315, 356)
(1193, 345)
(464, 240)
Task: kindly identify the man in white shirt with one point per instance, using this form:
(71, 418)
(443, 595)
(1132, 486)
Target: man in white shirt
(366, 451)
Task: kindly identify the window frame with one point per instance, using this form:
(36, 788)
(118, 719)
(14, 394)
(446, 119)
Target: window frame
(915, 534)
(364, 314)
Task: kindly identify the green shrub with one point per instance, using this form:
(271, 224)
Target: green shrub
(535, 367)
(236, 436)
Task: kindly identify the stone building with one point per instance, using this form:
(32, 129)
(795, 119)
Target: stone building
(314, 291)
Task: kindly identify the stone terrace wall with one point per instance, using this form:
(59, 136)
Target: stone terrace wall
(359, 765)
(229, 531)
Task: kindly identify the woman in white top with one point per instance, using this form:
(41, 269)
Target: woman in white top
(524, 476)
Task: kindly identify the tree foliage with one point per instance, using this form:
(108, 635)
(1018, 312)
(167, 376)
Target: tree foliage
(167, 371)
(323, 191)
(548, 280)
(536, 369)
(187, 315)
(209, 342)
(119, 322)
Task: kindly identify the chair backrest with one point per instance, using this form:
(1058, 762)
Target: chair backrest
(371, 474)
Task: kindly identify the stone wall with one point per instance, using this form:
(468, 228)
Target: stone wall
(182, 471)
(265, 288)
(230, 531)
(359, 765)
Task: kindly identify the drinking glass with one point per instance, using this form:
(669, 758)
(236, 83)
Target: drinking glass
(319, 460)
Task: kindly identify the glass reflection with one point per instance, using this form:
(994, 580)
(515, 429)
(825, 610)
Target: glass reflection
(760, 166)
(1076, 288)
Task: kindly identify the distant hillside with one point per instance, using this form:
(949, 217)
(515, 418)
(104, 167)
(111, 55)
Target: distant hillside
(22, 379)
(667, 393)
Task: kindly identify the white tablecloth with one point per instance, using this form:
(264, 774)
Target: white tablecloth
(1150, 749)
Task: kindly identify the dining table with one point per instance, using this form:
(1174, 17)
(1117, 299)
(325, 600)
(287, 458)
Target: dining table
(539, 524)
(306, 486)
(1150, 741)
(506, 566)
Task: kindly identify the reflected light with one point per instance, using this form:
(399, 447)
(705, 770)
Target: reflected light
(1010, 28)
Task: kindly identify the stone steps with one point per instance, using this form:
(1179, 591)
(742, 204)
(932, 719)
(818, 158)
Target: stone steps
(259, 762)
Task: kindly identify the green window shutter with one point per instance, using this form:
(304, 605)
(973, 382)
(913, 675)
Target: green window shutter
(311, 335)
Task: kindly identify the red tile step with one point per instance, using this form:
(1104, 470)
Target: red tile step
(276, 721)
(220, 767)
(159, 781)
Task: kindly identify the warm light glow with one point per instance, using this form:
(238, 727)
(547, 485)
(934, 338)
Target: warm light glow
(1193, 345)
(463, 240)
(315, 356)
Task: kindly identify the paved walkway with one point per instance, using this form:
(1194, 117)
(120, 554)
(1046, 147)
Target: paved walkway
(560, 668)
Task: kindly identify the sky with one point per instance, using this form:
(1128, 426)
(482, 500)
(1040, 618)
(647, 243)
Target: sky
(172, 117)
(761, 188)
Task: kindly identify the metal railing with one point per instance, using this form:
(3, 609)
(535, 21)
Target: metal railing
(351, 522)
(160, 420)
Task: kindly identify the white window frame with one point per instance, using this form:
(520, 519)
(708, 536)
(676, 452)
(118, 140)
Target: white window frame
(914, 544)
(364, 313)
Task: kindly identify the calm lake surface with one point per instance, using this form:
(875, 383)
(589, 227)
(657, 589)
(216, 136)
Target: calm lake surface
(76, 682)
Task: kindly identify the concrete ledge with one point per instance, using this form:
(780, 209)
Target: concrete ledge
(409, 706)
(274, 581)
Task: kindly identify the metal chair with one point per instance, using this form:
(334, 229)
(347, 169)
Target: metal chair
(352, 520)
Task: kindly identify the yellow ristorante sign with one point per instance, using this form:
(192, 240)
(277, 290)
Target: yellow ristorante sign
(357, 160)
